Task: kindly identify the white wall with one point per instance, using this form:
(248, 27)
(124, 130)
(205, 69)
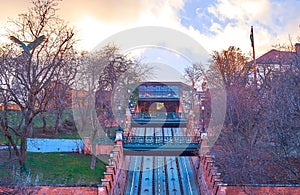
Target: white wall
(54, 145)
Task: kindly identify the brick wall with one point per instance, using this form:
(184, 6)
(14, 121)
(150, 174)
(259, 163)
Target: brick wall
(115, 174)
(101, 149)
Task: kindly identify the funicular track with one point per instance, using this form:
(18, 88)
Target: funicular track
(165, 174)
(160, 175)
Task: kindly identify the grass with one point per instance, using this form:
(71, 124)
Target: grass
(15, 117)
(54, 168)
(50, 118)
(64, 168)
(68, 135)
(51, 168)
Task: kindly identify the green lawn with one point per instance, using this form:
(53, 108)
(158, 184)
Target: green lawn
(53, 168)
(64, 168)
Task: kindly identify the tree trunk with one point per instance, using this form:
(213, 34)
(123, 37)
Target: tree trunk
(93, 158)
(58, 121)
(22, 154)
(29, 115)
(93, 162)
(44, 122)
(30, 130)
(27, 130)
(93, 142)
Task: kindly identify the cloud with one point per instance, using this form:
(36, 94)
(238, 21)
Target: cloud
(110, 11)
(241, 10)
(216, 28)
(97, 20)
(120, 12)
(216, 25)
(12, 9)
(273, 21)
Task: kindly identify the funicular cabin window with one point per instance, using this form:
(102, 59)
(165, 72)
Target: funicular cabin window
(142, 91)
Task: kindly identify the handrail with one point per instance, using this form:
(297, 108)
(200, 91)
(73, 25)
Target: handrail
(167, 115)
(159, 140)
(158, 94)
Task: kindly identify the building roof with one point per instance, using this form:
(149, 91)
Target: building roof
(277, 57)
(159, 83)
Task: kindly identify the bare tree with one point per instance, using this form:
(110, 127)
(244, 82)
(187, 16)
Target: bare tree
(237, 147)
(232, 66)
(118, 68)
(59, 95)
(194, 73)
(101, 73)
(282, 119)
(84, 101)
(261, 130)
(27, 72)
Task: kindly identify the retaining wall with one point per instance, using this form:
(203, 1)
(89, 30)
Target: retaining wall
(54, 145)
(115, 174)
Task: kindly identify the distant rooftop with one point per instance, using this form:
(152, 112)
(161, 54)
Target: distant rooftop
(279, 57)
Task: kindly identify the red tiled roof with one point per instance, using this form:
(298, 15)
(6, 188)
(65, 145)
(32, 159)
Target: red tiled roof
(277, 57)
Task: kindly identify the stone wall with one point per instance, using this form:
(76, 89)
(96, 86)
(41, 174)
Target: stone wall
(115, 174)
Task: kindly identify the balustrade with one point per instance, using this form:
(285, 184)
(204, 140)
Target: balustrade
(160, 140)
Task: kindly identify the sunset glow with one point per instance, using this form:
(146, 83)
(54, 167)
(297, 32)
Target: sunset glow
(215, 24)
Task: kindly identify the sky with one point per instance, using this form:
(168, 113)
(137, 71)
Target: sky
(214, 24)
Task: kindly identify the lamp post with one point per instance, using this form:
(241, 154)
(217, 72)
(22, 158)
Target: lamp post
(111, 158)
(119, 117)
(129, 98)
(119, 131)
(203, 128)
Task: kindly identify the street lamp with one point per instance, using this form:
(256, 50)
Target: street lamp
(202, 108)
(119, 132)
(119, 118)
(111, 158)
(111, 154)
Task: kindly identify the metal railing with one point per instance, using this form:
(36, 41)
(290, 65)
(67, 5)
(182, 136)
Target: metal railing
(161, 140)
(167, 115)
(158, 94)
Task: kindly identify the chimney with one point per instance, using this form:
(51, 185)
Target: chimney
(297, 48)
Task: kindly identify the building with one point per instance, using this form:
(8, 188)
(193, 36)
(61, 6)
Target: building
(163, 101)
(277, 61)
